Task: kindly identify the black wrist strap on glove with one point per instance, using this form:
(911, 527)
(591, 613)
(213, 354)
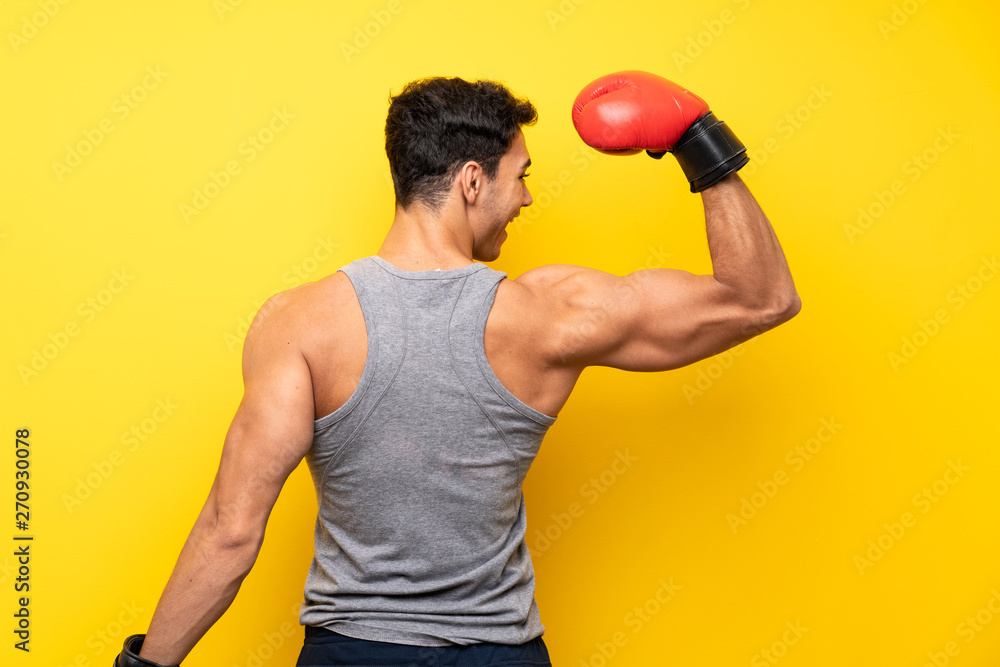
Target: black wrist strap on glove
(707, 151)
(129, 657)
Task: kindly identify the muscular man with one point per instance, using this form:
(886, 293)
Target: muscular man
(418, 382)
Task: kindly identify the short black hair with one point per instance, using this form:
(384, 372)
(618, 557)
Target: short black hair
(437, 124)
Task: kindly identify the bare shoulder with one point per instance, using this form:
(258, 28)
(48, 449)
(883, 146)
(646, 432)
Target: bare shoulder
(535, 293)
(543, 301)
(549, 287)
(547, 275)
(300, 313)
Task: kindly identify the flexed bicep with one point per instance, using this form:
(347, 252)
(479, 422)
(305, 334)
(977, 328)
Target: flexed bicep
(650, 320)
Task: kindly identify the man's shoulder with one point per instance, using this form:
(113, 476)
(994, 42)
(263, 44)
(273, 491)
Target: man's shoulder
(546, 285)
(553, 303)
(547, 274)
(297, 311)
(534, 303)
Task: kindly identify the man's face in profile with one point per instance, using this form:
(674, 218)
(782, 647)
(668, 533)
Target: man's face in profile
(503, 198)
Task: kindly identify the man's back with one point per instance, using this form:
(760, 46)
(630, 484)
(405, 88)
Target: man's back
(326, 320)
(421, 522)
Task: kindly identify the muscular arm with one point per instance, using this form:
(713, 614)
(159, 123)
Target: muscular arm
(746, 255)
(659, 319)
(269, 435)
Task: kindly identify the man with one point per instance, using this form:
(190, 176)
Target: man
(418, 383)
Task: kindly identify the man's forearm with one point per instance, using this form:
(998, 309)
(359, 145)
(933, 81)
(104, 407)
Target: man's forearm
(746, 255)
(204, 583)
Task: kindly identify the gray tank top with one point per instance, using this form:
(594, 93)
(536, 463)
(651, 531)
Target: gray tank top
(421, 521)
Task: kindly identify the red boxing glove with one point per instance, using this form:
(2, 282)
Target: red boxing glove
(628, 112)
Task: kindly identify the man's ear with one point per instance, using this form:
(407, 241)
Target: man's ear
(470, 179)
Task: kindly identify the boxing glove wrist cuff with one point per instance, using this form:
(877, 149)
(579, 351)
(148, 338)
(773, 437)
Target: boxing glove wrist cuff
(129, 657)
(708, 151)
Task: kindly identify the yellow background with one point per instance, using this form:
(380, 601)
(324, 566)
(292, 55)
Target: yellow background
(869, 85)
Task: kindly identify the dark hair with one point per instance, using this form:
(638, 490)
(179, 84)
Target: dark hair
(437, 124)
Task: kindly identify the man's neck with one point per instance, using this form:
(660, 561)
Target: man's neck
(422, 241)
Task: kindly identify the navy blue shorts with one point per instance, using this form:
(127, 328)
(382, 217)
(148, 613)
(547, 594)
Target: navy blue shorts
(325, 648)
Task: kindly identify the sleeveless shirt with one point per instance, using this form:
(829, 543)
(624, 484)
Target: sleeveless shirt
(420, 529)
